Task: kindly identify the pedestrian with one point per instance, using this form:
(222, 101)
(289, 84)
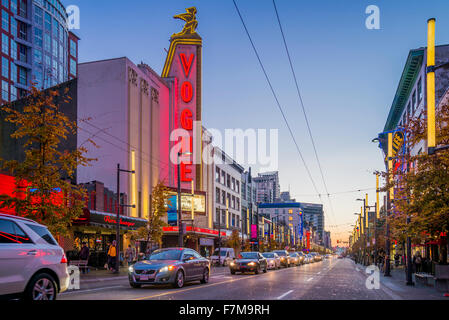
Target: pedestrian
(129, 255)
(84, 256)
(396, 260)
(112, 254)
(417, 261)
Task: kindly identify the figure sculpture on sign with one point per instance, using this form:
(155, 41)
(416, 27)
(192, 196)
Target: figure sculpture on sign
(191, 23)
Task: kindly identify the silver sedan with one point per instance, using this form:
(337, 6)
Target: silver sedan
(174, 266)
(273, 260)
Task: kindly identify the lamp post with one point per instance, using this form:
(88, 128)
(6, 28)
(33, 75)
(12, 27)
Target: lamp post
(180, 224)
(119, 206)
(363, 223)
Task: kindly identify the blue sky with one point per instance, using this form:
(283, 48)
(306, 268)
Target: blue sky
(348, 75)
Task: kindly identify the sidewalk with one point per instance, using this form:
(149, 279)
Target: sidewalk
(396, 286)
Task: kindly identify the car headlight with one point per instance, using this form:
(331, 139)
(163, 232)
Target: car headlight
(232, 264)
(164, 269)
(252, 264)
(282, 259)
(131, 269)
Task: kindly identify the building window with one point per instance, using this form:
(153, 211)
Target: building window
(233, 202)
(23, 76)
(14, 27)
(217, 174)
(228, 181)
(72, 67)
(414, 100)
(5, 44)
(223, 197)
(233, 184)
(23, 53)
(238, 187)
(14, 6)
(23, 31)
(47, 42)
(238, 204)
(23, 8)
(5, 21)
(38, 37)
(5, 68)
(55, 48)
(5, 90)
(73, 48)
(13, 93)
(13, 49)
(37, 57)
(13, 74)
(217, 215)
(420, 93)
(38, 16)
(223, 177)
(55, 28)
(217, 195)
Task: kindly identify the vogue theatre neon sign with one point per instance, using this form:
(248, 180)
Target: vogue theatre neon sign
(187, 92)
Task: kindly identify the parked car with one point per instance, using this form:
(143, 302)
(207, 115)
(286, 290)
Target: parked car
(301, 257)
(249, 261)
(32, 264)
(174, 266)
(224, 258)
(309, 258)
(295, 258)
(285, 259)
(273, 260)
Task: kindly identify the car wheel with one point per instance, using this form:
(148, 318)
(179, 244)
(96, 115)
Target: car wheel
(135, 285)
(257, 270)
(41, 287)
(232, 272)
(179, 279)
(265, 270)
(205, 276)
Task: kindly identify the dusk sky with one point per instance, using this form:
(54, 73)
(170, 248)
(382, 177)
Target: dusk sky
(348, 76)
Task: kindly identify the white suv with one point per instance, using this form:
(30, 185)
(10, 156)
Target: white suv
(32, 264)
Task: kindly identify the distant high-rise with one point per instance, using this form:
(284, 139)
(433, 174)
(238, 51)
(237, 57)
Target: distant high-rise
(37, 46)
(314, 218)
(268, 188)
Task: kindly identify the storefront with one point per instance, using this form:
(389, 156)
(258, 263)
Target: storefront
(98, 230)
(199, 239)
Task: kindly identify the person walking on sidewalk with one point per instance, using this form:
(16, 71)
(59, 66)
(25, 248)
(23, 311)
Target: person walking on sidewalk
(112, 255)
(84, 255)
(417, 261)
(129, 255)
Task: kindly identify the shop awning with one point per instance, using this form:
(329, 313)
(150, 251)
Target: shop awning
(202, 231)
(109, 220)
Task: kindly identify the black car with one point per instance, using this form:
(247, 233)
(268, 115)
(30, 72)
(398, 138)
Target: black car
(249, 262)
(172, 265)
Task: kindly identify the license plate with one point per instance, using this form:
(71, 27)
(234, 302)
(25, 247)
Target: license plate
(144, 278)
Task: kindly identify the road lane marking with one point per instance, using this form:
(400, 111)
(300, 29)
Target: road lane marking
(206, 286)
(284, 295)
(89, 290)
(319, 272)
(309, 279)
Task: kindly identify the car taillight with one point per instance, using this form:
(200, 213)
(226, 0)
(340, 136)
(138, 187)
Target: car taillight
(63, 259)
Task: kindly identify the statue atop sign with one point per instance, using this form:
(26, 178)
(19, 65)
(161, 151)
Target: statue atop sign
(191, 23)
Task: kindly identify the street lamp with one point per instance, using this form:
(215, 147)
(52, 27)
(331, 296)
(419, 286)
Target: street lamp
(363, 224)
(180, 224)
(119, 206)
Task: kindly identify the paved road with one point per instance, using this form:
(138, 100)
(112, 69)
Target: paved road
(329, 279)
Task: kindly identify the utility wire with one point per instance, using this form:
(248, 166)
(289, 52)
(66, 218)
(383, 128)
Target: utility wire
(302, 105)
(276, 98)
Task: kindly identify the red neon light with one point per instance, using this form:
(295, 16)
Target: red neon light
(186, 65)
(189, 228)
(186, 119)
(186, 92)
(184, 171)
(108, 219)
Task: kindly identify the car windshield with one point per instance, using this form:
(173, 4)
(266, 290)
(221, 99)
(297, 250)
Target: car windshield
(167, 254)
(222, 253)
(293, 254)
(248, 255)
(268, 255)
(280, 253)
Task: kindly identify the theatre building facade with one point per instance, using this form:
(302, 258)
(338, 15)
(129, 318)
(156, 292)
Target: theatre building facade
(144, 122)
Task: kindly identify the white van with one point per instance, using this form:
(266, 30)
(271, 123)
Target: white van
(226, 256)
(32, 264)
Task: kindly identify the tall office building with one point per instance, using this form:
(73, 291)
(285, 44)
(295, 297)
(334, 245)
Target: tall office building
(36, 46)
(268, 188)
